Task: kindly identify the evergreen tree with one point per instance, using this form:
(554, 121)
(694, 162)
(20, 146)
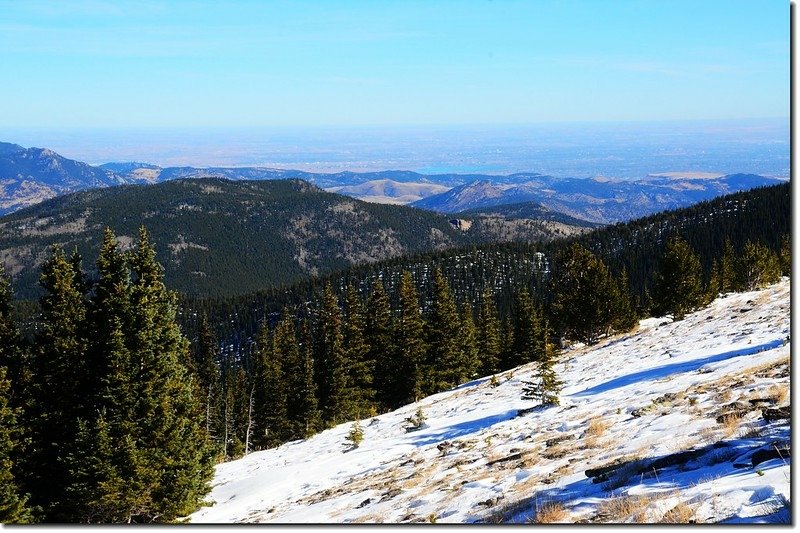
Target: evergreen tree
(526, 331)
(160, 459)
(469, 361)
(786, 255)
(378, 334)
(758, 266)
(305, 411)
(333, 374)
(678, 287)
(58, 388)
(728, 279)
(508, 354)
(584, 295)
(546, 386)
(442, 367)
(12, 504)
(713, 288)
(360, 366)
(624, 313)
(274, 356)
(207, 372)
(410, 344)
(12, 353)
(489, 337)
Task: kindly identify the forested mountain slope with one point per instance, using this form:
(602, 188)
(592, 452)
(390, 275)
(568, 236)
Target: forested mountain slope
(760, 215)
(222, 237)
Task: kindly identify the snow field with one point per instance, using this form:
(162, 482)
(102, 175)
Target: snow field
(637, 399)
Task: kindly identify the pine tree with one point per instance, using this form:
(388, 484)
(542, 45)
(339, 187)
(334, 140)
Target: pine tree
(584, 295)
(13, 356)
(378, 334)
(333, 374)
(728, 279)
(207, 372)
(546, 386)
(526, 329)
(713, 288)
(442, 367)
(624, 313)
(12, 504)
(469, 361)
(160, 459)
(275, 355)
(758, 266)
(489, 337)
(305, 412)
(786, 255)
(410, 344)
(58, 388)
(360, 366)
(678, 286)
(508, 354)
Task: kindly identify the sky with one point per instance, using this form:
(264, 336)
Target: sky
(84, 64)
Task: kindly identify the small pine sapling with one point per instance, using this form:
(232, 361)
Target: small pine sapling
(356, 435)
(416, 421)
(494, 382)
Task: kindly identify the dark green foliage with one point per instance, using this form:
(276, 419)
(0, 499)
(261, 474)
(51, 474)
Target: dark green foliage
(410, 344)
(207, 373)
(527, 340)
(679, 283)
(489, 336)
(333, 378)
(60, 383)
(269, 389)
(303, 407)
(443, 367)
(468, 346)
(728, 279)
(545, 386)
(785, 255)
(379, 335)
(12, 504)
(758, 266)
(360, 366)
(586, 297)
(625, 317)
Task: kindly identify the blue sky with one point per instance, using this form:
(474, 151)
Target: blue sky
(345, 63)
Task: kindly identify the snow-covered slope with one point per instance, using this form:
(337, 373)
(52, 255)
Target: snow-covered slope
(633, 404)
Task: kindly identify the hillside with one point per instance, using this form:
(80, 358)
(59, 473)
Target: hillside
(220, 237)
(760, 215)
(597, 200)
(648, 430)
(31, 175)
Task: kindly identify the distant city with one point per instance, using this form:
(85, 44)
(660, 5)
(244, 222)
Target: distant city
(614, 150)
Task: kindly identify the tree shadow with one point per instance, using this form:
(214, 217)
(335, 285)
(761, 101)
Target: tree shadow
(461, 429)
(675, 368)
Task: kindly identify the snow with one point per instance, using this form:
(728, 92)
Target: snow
(474, 460)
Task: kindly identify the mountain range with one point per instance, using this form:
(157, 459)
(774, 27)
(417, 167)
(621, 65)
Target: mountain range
(597, 200)
(31, 175)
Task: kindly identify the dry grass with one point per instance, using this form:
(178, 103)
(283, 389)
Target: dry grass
(682, 513)
(779, 393)
(709, 435)
(625, 509)
(596, 428)
(730, 425)
(550, 512)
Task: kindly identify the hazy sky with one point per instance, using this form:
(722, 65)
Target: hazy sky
(152, 64)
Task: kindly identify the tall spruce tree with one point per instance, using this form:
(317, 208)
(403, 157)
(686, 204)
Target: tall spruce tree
(151, 456)
(443, 365)
(331, 357)
(624, 312)
(305, 413)
(489, 336)
(59, 388)
(410, 344)
(728, 278)
(585, 295)
(378, 334)
(207, 371)
(469, 361)
(360, 365)
(527, 340)
(275, 354)
(678, 285)
(785, 255)
(12, 503)
(758, 266)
